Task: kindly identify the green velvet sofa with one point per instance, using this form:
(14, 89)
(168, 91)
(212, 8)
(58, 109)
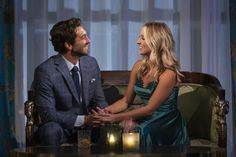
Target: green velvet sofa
(201, 101)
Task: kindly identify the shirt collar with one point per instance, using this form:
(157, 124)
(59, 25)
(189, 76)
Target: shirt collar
(69, 64)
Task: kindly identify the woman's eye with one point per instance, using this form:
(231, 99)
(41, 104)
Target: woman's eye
(141, 37)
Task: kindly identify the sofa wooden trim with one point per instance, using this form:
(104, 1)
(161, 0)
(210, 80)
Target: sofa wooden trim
(122, 78)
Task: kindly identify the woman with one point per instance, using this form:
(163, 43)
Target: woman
(154, 79)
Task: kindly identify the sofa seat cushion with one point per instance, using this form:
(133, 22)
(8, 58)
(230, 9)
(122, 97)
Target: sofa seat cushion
(202, 143)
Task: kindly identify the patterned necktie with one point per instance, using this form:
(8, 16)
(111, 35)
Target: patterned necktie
(75, 77)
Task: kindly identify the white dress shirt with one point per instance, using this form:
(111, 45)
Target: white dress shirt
(80, 118)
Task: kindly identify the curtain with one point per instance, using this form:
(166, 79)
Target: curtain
(7, 114)
(200, 29)
(233, 54)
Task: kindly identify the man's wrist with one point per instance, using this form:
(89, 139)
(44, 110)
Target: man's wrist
(87, 119)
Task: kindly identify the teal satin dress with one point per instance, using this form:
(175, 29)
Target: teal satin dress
(165, 126)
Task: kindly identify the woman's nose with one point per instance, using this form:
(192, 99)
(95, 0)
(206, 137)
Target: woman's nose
(138, 41)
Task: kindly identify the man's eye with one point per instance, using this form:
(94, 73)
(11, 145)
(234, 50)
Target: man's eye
(84, 37)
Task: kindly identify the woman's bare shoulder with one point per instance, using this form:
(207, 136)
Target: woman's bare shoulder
(168, 75)
(137, 65)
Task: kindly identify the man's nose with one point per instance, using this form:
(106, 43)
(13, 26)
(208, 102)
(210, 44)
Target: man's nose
(88, 40)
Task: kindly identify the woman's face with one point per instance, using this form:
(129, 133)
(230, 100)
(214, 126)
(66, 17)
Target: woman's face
(143, 47)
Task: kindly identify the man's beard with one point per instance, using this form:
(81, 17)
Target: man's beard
(78, 53)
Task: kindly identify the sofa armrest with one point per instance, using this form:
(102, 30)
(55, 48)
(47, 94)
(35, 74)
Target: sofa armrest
(222, 108)
(32, 118)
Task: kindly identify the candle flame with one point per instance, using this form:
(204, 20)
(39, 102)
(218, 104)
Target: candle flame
(130, 139)
(112, 139)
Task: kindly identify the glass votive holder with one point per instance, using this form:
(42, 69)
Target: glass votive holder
(84, 138)
(131, 141)
(113, 137)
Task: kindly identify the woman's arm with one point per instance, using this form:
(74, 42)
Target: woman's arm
(122, 104)
(167, 81)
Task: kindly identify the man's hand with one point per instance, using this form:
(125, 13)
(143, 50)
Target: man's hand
(102, 116)
(92, 120)
(100, 111)
(107, 117)
(88, 119)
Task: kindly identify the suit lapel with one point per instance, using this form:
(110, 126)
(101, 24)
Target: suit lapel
(63, 69)
(84, 75)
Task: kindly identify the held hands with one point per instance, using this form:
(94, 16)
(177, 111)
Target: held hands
(100, 116)
(103, 115)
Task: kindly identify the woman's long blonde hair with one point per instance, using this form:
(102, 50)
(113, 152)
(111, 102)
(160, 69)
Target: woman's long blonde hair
(160, 40)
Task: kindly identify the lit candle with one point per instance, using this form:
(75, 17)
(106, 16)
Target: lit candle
(130, 141)
(111, 139)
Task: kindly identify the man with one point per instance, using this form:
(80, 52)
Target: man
(62, 94)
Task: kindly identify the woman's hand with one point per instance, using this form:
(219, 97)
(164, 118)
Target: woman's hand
(107, 117)
(128, 125)
(100, 111)
(95, 117)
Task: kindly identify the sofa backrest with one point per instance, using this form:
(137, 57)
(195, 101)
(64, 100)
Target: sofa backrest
(198, 94)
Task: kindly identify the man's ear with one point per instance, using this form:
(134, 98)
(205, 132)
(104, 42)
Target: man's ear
(68, 46)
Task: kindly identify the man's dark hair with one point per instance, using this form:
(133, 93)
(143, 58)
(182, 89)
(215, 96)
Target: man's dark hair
(64, 31)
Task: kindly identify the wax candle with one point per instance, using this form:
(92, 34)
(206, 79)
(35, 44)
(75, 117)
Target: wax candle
(130, 141)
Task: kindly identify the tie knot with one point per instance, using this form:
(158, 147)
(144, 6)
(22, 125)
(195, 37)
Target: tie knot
(75, 69)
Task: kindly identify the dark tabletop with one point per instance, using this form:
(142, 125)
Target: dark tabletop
(98, 151)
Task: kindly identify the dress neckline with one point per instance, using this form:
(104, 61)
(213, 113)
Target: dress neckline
(149, 84)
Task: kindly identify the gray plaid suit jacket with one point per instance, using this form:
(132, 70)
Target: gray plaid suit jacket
(54, 90)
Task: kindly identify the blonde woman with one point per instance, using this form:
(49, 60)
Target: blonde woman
(155, 80)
